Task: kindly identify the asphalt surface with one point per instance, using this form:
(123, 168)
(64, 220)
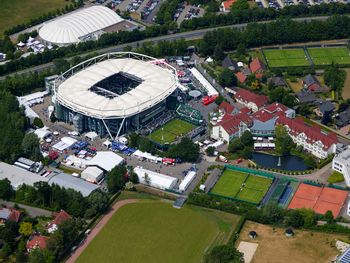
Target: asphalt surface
(190, 35)
(32, 211)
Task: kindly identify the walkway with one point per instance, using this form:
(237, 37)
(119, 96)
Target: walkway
(32, 211)
(98, 228)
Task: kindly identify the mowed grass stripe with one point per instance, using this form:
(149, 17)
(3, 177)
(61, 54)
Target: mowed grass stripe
(250, 195)
(327, 55)
(286, 57)
(229, 183)
(153, 231)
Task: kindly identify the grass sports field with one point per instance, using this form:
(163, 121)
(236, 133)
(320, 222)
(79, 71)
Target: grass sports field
(172, 129)
(242, 186)
(286, 57)
(14, 12)
(327, 55)
(154, 231)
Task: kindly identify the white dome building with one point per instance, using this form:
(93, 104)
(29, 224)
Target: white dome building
(85, 24)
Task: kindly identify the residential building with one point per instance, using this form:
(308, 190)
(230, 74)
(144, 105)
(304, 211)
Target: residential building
(251, 100)
(277, 81)
(263, 124)
(341, 164)
(276, 107)
(324, 107)
(256, 66)
(9, 214)
(306, 96)
(60, 217)
(241, 77)
(227, 108)
(225, 6)
(311, 138)
(342, 119)
(230, 63)
(37, 241)
(312, 84)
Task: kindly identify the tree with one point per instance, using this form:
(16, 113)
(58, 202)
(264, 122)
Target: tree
(134, 140)
(30, 147)
(61, 65)
(273, 213)
(25, 229)
(218, 53)
(133, 177)
(116, 178)
(283, 142)
(334, 77)
(219, 99)
(247, 138)
(186, 150)
(329, 217)
(210, 151)
(98, 203)
(227, 78)
(224, 254)
(235, 145)
(240, 5)
(38, 122)
(6, 190)
(294, 219)
(309, 217)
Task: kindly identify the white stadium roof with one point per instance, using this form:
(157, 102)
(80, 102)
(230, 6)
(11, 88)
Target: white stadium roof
(69, 28)
(157, 84)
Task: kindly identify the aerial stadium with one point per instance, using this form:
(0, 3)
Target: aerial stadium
(114, 93)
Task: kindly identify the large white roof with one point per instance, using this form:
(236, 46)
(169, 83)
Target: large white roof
(69, 28)
(105, 160)
(157, 84)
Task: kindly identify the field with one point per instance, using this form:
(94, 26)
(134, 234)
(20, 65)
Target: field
(304, 247)
(170, 131)
(286, 57)
(14, 12)
(325, 56)
(154, 231)
(346, 88)
(242, 186)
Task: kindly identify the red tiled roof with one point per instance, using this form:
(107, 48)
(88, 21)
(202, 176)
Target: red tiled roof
(230, 123)
(60, 217)
(227, 4)
(15, 215)
(241, 77)
(256, 65)
(37, 241)
(276, 107)
(245, 110)
(246, 95)
(259, 75)
(313, 134)
(226, 107)
(263, 115)
(314, 87)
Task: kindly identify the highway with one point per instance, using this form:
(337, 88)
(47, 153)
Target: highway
(189, 35)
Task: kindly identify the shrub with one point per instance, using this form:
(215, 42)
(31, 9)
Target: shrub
(38, 122)
(335, 177)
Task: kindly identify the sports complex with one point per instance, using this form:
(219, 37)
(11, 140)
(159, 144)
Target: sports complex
(114, 93)
(306, 56)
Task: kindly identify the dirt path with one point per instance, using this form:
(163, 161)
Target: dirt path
(98, 228)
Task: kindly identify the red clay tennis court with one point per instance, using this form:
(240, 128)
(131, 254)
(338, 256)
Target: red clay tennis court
(319, 199)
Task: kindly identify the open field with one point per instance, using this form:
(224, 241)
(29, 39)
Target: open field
(286, 57)
(327, 55)
(304, 247)
(242, 186)
(346, 89)
(170, 131)
(154, 231)
(15, 12)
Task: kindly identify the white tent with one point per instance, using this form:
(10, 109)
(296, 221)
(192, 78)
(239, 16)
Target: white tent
(30, 39)
(92, 174)
(21, 44)
(209, 60)
(187, 181)
(154, 179)
(42, 133)
(105, 160)
(68, 140)
(91, 135)
(107, 143)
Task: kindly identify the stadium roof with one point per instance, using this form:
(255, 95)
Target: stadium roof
(156, 84)
(70, 28)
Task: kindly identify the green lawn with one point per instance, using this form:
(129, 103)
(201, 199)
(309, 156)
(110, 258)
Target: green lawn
(286, 57)
(14, 12)
(229, 183)
(172, 129)
(154, 231)
(325, 56)
(250, 195)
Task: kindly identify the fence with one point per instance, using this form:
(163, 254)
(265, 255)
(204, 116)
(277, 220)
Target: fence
(250, 171)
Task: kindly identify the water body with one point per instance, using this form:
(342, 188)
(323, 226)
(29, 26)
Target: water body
(288, 162)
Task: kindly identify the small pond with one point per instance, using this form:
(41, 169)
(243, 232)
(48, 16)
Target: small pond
(288, 162)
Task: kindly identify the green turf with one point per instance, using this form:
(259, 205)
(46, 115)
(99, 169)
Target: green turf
(170, 131)
(154, 231)
(229, 183)
(250, 195)
(286, 57)
(14, 12)
(325, 56)
(258, 183)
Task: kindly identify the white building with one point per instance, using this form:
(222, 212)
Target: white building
(92, 174)
(187, 180)
(105, 160)
(341, 164)
(154, 179)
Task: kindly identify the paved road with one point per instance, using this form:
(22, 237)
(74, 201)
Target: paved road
(32, 211)
(190, 35)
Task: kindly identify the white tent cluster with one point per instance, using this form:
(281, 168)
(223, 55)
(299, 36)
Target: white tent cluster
(154, 179)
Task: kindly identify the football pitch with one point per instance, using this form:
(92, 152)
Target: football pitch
(154, 231)
(170, 131)
(327, 55)
(242, 186)
(285, 57)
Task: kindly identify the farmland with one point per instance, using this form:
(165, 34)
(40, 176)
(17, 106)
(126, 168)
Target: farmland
(169, 132)
(15, 12)
(154, 231)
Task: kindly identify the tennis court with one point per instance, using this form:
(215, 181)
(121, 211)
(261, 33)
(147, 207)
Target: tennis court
(229, 183)
(327, 55)
(286, 57)
(170, 131)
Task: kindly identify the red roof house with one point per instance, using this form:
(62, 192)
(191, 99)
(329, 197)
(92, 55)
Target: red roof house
(226, 107)
(251, 100)
(256, 66)
(9, 214)
(241, 77)
(37, 241)
(226, 5)
(60, 217)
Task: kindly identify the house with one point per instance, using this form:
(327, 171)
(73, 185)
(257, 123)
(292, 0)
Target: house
(256, 66)
(225, 6)
(324, 107)
(36, 241)
(9, 214)
(230, 63)
(342, 119)
(251, 100)
(312, 84)
(277, 81)
(306, 96)
(231, 126)
(60, 217)
(276, 107)
(227, 108)
(241, 77)
(263, 124)
(311, 138)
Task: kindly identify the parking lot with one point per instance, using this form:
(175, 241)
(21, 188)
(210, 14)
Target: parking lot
(186, 12)
(146, 8)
